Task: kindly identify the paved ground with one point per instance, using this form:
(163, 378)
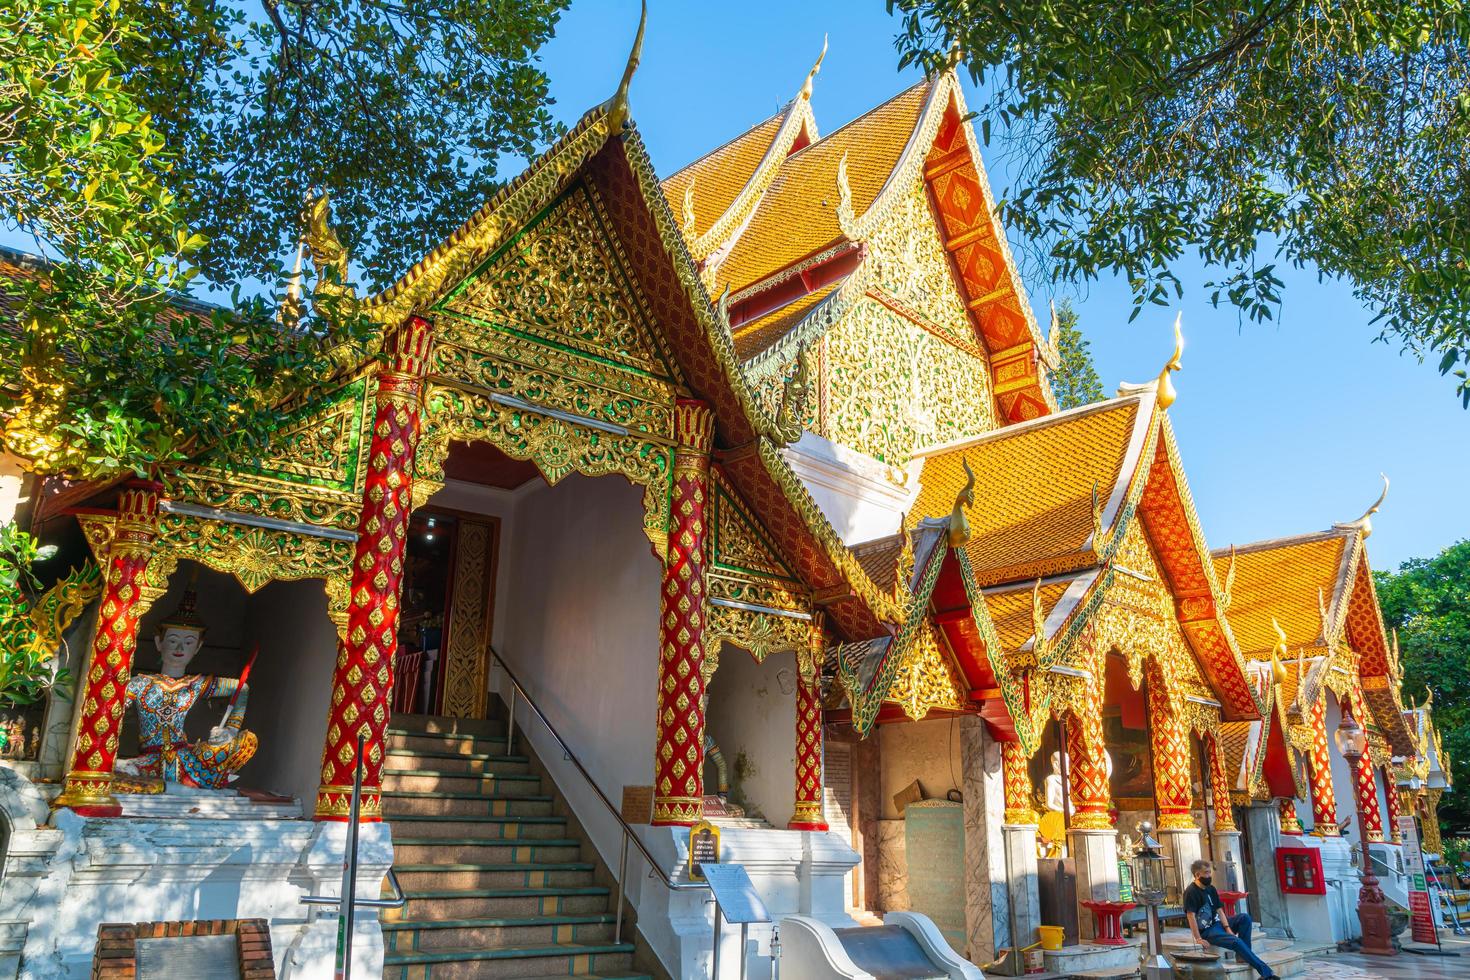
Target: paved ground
(1404, 966)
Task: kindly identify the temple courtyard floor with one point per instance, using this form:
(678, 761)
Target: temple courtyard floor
(1405, 966)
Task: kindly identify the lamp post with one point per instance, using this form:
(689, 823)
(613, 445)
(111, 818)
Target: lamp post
(1352, 742)
(1148, 887)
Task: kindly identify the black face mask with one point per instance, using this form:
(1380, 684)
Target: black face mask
(1206, 880)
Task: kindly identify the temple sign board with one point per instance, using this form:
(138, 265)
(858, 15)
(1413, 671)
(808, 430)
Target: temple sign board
(704, 849)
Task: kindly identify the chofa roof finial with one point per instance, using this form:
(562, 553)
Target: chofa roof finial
(618, 113)
(1165, 387)
(1364, 523)
(959, 524)
(811, 76)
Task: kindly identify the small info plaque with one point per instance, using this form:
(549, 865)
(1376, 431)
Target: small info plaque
(735, 894)
(195, 957)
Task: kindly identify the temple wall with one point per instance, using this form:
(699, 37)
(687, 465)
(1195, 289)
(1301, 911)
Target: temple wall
(855, 492)
(579, 627)
(752, 717)
(290, 687)
(928, 751)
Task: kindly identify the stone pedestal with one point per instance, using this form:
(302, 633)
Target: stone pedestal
(1227, 848)
(1267, 907)
(1183, 847)
(1025, 899)
(1096, 856)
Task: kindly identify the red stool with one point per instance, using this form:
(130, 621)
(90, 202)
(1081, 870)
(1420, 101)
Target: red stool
(1228, 899)
(1109, 917)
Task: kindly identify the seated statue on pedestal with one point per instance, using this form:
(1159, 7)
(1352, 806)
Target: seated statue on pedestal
(163, 701)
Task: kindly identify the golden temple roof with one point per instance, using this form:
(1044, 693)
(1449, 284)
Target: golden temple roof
(720, 175)
(1010, 610)
(797, 216)
(1281, 580)
(757, 335)
(1032, 514)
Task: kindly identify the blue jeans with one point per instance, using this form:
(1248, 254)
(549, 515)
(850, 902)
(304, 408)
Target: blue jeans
(1239, 944)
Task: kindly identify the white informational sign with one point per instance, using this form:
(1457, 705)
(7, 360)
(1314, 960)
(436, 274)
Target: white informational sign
(1421, 912)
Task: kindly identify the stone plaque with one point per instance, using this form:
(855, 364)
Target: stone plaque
(704, 848)
(195, 957)
(837, 788)
(637, 805)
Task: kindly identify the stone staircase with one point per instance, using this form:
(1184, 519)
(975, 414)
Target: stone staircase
(500, 883)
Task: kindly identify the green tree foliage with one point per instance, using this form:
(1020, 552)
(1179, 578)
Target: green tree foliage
(1428, 601)
(1074, 381)
(1331, 134)
(158, 145)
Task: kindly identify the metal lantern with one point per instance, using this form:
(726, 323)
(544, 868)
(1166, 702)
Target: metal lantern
(1148, 868)
(1148, 887)
(1350, 738)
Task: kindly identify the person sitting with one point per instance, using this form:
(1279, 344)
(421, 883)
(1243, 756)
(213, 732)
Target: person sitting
(1210, 925)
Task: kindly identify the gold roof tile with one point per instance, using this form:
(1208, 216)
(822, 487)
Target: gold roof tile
(754, 337)
(798, 215)
(1281, 581)
(879, 558)
(1033, 489)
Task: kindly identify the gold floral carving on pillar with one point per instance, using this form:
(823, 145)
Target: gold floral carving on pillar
(1319, 772)
(1220, 783)
(809, 757)
(1289, 822)
(1016, 775)
(1171, 752)
(1091, 795)
(466, 664)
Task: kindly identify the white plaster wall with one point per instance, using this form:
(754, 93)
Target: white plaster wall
(580, 629)
(290, 687)
(862, 497)
(752, 710)
(928, 751)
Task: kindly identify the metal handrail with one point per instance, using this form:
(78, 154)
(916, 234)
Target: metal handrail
(570, 756)
(398, 900)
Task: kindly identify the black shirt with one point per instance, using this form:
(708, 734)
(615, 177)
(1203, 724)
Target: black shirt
(1204, 902)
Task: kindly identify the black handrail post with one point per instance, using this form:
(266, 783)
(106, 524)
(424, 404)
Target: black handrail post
(348, 908)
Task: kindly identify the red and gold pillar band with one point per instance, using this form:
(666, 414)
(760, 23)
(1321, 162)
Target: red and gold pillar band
(1171, 755)
(1289, 822)
(89, 782)
(1365, 787)
(1091, 795)
(1429, 824)
(678, 798)
(1319, 774)
(363, 682)
(808, 814)
(1220, 784)
(1016, 777)
(1394, 803)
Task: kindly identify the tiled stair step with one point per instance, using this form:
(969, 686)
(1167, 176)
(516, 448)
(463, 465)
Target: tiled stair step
(478, 903)
(556, 959)
(457, 762)
(440, 781)
(490, 828)
(416, 741)
(447, 727)
(407, 803)
(538, 875)
(429, 850)
(429, 935)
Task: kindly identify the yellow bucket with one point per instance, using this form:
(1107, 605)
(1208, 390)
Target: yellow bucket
(1051, 936)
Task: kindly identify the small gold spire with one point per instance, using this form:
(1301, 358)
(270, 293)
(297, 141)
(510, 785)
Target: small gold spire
(1278, 672)
(722, 308)
(806, 87)
(290, 312)
(1099, 533)
(1327, 636)
(959, 524)
(1280, 649)
(955, 56)
(1227, 594)
(617, 116)
(688, 227)
(1038, 624)
(1165, 387)
(845, 216)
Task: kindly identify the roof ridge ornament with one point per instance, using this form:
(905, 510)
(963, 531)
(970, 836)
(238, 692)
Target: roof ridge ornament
(617, 116)
(1039, 645)
(955, 55)
(791, 416)
(1165, 386)
(845, 217)
(1051, 352)
(1327, 633)
(1227, 594)
(806, 86)
(688, 225)
(1100, 537)
(959, 524)
(1364, 523)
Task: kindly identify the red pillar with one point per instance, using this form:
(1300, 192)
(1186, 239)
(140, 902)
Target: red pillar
(1091, 795)
(678, 798)
(1171, 755)
(362, 685)
(1016, 779)
(808, 814)
(1319, 774)
(1364, 786)
(1289, 822)
(89, 781)
(1391, 792)
(1219, 785)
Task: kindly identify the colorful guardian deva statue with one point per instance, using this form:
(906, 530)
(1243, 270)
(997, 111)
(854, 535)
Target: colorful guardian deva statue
(164, 700)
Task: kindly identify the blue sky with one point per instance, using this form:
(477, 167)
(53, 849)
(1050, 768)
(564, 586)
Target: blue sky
(1283, 427)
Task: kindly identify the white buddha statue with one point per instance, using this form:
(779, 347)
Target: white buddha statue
(164, 700)
(1056, 797)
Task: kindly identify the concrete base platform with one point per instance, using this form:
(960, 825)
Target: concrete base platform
(1085, 958)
